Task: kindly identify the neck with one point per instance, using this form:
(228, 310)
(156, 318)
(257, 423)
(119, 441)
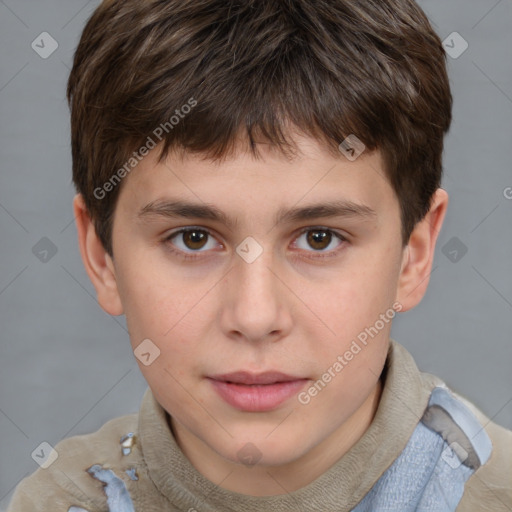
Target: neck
(262, 480)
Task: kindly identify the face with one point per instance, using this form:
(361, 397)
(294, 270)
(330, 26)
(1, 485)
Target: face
(268, 265)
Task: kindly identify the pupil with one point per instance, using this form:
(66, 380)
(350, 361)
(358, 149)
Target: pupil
(319, 237)
(196, 239)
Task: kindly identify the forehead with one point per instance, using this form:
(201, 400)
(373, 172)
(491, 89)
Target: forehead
(207, 188)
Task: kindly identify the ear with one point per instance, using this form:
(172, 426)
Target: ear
(97, 261)
(418, 255)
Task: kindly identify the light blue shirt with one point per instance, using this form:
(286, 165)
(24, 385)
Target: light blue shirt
(447, 446)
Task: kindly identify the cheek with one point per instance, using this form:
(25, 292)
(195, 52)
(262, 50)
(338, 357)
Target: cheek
(352, 305)
(152, 297)
(357, 296)
(171, 319)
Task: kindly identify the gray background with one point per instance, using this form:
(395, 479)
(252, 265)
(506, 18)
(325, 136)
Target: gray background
(66, 366)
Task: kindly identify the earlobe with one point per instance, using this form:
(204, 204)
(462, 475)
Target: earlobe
(97, 262)
(419, 254)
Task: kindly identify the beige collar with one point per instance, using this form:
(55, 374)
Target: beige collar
(404, 398)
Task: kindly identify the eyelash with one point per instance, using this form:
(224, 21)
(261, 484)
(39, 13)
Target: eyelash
(196, 254)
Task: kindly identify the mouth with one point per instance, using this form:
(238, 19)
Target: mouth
(248, 378)
(253, 392)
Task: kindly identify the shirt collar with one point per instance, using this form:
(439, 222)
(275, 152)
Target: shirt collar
(404, 398)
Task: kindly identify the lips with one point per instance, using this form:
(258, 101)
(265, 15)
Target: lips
(248, 378)
(260, 392)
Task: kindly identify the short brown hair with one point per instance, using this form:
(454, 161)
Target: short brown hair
(331, 68)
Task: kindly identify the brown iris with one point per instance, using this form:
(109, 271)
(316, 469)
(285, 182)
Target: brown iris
(317, 239)
(194, 239)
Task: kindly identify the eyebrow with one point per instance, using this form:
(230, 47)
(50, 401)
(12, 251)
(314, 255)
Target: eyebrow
(188, 210)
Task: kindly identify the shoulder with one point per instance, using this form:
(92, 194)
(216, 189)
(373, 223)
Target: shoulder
(66, 482)
(490, 486)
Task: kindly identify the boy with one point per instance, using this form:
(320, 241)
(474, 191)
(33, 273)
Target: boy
(259, 193)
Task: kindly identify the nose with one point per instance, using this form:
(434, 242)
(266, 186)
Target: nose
(256, 301)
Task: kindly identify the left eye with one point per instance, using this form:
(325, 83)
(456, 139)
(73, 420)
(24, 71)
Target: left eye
(192, 240)
(319, 239)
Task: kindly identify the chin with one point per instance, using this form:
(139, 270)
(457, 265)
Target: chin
(262, 452)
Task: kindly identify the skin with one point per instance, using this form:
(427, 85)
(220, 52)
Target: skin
(290, 310)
